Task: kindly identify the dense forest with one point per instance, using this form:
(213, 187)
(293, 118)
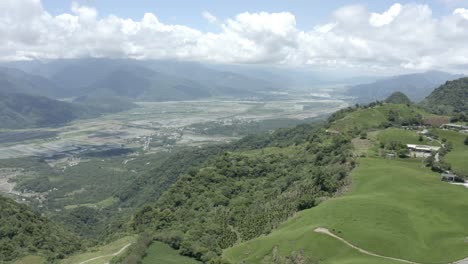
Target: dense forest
(247, 190)
(24, 232)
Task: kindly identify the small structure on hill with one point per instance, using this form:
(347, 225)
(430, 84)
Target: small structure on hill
(423, 151)
(391, 156)
(454, 127)
(448, 177)
(423, 132)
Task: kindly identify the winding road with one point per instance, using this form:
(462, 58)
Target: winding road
(363, 251)
(110, 255)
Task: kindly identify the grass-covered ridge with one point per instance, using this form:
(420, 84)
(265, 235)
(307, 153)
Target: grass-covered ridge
(386, 212)
(376, 115)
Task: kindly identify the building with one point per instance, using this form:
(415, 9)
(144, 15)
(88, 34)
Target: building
(421, 151)
(448, 177)
(454, 127)
(422, 148)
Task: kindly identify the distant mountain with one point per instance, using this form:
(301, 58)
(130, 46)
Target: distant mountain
(142, 84)
(398, 98)
(24, 232)
(17, 81)
(147, 80)
(415, 86)
(25, 111)
(109, 104)
(452, 97)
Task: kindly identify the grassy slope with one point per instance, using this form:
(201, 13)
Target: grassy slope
(458, 157)
(404, 136)
(373, 117)
(106, 250)
(161, 253)
(30, 260)
(386, 213)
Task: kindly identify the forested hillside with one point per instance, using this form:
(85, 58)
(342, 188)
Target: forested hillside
(23, 232)
(17, 81)
(242, 194)
(449, 98)
(24, 111)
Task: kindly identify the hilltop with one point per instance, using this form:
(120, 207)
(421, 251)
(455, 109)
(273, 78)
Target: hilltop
(398, 98)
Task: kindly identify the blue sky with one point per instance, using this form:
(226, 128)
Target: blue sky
(188, 12)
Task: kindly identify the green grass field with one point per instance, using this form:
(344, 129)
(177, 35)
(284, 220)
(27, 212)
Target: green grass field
(102, 254)
(31, 260)
(458, 157)
(404, 136)
(395, 208)
(161, 253)
(373, 117)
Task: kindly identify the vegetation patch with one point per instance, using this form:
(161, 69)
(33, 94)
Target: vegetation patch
(402, 230)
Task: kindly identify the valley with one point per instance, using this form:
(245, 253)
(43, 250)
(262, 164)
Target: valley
(160, 126)
(233, 132)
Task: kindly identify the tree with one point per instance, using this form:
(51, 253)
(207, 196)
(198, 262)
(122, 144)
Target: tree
(466, 141)
(363, 135)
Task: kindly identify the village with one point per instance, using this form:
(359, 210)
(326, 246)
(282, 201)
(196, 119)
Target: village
(426, 151)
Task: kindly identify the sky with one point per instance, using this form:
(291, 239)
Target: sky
(378, 36)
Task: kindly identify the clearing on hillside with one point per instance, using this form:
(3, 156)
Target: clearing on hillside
(159, 252)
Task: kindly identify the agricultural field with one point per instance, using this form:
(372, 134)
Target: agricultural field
(159, 126)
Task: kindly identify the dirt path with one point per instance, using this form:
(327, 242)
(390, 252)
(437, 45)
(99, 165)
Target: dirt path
(328, 233)
(111, 255)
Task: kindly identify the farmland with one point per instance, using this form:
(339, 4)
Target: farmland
(161, 126)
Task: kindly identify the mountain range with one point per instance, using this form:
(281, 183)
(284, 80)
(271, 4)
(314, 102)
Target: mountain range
(416, 86)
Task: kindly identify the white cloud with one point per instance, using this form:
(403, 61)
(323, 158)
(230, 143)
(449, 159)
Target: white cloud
(463, 12)
(209, 17)
(405, 36)
(378, 20)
